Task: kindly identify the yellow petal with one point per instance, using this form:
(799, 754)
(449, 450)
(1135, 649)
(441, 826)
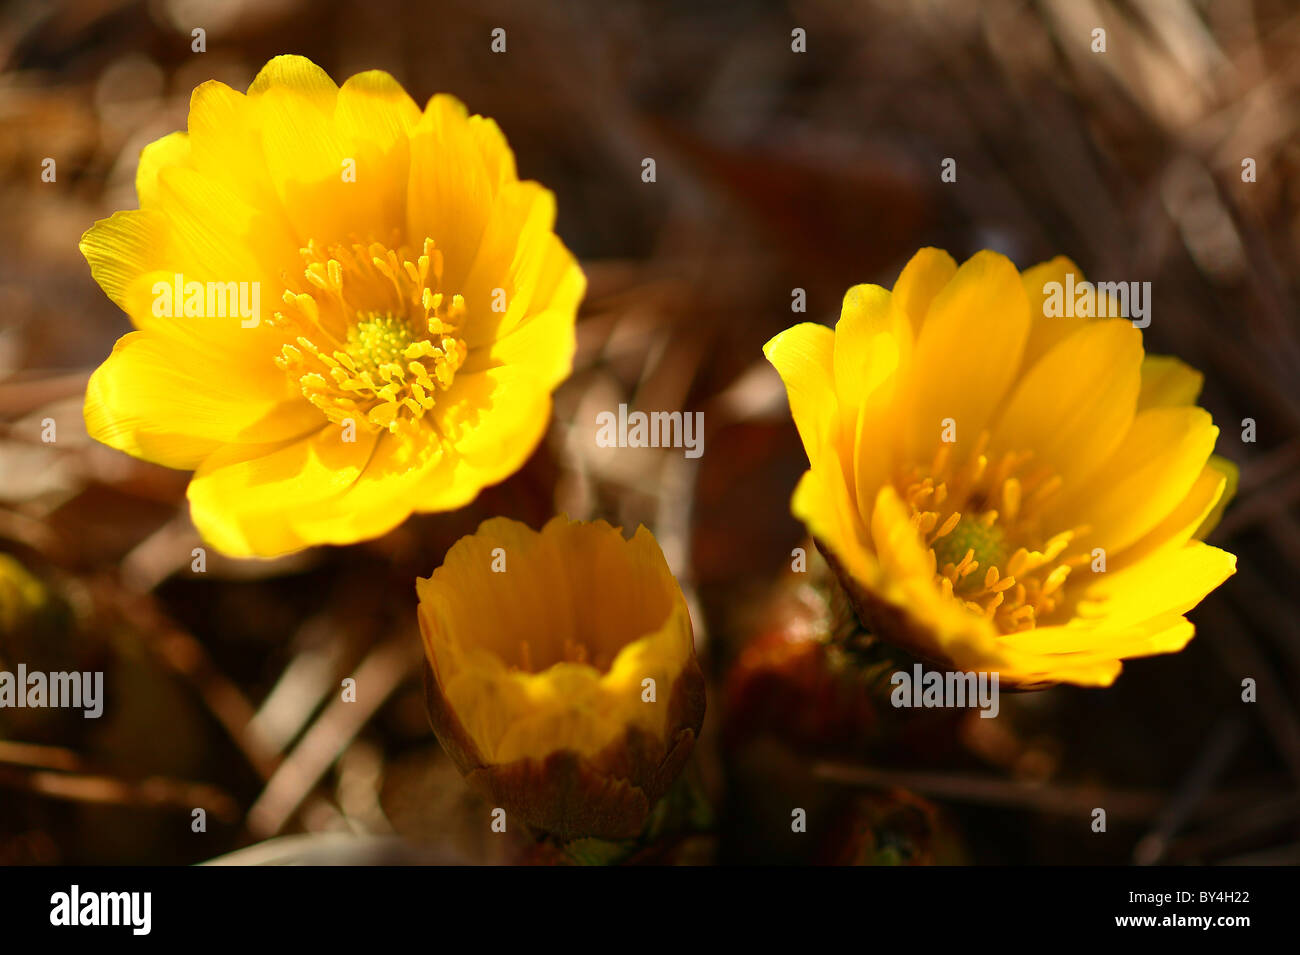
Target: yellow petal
(1076, 403)
(897, 543)
(804, 358)
(213, 235)
(822, 502)
(156, 400)
(1231, 476)
(452, 187)
(296, 74)
(196, 228)
(1085, 656)
(373, 108)
(1165, 635)
(245, 502)
(520, 263)
(872, 339)
(1181, 524)
(873, 342)
(1151, 471)
(495, 418)
(1101, 673)
(171, 150)
(967, 353)
(1168, 383)
(226, 145)
(324, 490)
(1082, 642)
(542, 344)
(492, 421)
(312, 132)
(498, 158)
(924, 276)
(1047, 331)
(1171, 581)
(386, 493)
(305, 152)
(540, 605)
(374, 117)
(120, 249)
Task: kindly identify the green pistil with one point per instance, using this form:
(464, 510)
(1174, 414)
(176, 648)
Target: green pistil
(987, 543)
(379, 340)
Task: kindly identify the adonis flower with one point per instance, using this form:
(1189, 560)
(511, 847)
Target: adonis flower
(1000, 489)
(563, 681)
(419, 309)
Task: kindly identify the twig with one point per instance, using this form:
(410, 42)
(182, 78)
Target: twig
(985, 790)
(1223, 745)
(155, 792)
(186, 656)
(382, 671)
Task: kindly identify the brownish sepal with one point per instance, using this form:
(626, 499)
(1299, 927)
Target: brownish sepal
(881, 618)
(607, 795)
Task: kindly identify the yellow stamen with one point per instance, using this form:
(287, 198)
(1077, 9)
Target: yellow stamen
(374, 338)
(982, 521)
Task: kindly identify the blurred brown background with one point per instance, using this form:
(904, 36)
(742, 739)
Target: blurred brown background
(776, 170)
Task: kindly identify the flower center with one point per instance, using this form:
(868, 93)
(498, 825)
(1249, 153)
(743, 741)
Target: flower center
(535, 656)
(378, 340)
(985, 543)
(982, 521)
(374, 336)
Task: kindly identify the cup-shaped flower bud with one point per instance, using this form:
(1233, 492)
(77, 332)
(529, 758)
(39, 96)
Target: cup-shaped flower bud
(562, 677)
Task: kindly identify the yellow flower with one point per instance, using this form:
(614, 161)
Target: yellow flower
(999, 489)
(563, 680)
(347, 309)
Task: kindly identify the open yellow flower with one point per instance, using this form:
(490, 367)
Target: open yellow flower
(347, 309)
(999, 489)
(563, 680)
